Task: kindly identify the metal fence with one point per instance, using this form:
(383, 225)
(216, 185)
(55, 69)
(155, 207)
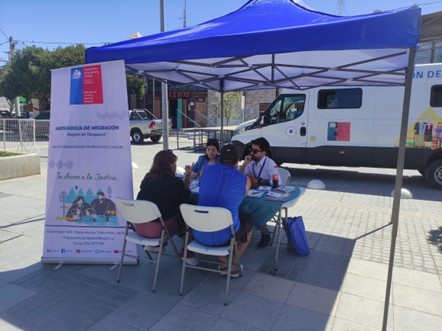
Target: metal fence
(32, 136)
(23, 135)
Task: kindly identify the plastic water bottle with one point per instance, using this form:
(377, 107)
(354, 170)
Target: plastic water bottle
(275, 177)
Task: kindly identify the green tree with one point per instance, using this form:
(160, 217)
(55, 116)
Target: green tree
(136, 85)
(25, 74)
(232, 105)
(28, 74)
(67, 56)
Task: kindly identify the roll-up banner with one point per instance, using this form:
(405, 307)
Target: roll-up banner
(89, 165)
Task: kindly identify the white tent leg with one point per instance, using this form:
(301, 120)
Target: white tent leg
(399, 176)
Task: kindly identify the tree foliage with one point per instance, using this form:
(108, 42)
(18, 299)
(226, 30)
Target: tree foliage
(28, 74)
(232, 105)
(136, 85)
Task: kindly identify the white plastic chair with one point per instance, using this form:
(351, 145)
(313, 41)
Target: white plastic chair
(285, 176)
(208, 219)
(138, 212)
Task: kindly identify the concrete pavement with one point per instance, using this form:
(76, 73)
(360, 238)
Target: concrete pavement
(339, 286)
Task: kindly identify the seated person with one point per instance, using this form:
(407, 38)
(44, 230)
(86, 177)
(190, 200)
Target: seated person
(222, 185)
(210, 157)
(168, 192)
(259, 167)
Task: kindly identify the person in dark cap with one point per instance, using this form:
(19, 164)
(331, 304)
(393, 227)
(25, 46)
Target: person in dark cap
(260, 167)
(210, 157)
(222, 185)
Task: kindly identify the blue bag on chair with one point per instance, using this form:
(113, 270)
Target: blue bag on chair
(296, 236)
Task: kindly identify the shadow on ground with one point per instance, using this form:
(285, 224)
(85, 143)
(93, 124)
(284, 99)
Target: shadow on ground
(362, 183)
(435, 238)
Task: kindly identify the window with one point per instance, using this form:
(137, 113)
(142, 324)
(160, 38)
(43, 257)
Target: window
(285, 108)
(436, 96)
(340, 98)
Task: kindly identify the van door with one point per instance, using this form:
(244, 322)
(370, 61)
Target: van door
(284, 125)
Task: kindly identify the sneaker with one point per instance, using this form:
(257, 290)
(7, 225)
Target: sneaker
(235, 273)
(264, 242)
(191, 258)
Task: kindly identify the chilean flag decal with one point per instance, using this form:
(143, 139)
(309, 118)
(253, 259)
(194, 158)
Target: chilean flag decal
(86, 85)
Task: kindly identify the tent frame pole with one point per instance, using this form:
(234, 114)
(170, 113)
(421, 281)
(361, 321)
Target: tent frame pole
(222, 113)
(399, 177)
(164, 89)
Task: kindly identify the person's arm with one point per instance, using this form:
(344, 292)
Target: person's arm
(194, 168)
(187, 176)
(247, 160)
(270, 166)
(248, 185)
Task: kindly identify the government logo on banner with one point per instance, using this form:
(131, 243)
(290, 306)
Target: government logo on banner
(86, 85)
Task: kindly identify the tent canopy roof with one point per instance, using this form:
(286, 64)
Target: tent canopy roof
(275, 43)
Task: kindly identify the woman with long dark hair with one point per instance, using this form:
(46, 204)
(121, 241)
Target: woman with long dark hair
(162, 187)
(168, 192)
(211, 156)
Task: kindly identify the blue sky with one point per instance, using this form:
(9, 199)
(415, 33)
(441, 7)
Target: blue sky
(52, 23)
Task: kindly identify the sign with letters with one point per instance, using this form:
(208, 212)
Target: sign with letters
(89, 165)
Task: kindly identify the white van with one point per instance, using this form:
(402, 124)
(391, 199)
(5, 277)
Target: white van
(356, 126)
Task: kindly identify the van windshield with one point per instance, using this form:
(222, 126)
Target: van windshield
(286, 108)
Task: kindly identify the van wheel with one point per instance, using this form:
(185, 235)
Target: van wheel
(137, 136)
(155, 139)
(433, 174)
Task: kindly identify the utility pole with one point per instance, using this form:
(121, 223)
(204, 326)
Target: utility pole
(164, 92)
(184, 16)
(340, 7)
(11, 48)
(12, 44)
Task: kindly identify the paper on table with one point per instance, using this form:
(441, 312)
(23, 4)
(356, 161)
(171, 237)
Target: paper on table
(284, 189)
(255, 193)
(277, 196)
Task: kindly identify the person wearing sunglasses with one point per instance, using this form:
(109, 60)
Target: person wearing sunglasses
(259, 167)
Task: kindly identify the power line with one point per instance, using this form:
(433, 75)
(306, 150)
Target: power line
(4, 34)
(59, 42)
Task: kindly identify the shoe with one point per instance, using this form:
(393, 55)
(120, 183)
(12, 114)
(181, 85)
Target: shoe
(235, 273)
(191, 258)
(264, 242)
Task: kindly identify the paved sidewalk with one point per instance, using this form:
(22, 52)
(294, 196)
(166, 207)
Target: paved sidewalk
(339, 286)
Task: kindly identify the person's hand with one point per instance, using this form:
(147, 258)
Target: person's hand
(187, 175)
(247, 159)
(187, 170)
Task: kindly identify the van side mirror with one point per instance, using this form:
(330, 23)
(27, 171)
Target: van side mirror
(261, 119)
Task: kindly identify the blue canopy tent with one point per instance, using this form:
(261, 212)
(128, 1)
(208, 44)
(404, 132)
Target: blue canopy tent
(275, 43)
(283, 44)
